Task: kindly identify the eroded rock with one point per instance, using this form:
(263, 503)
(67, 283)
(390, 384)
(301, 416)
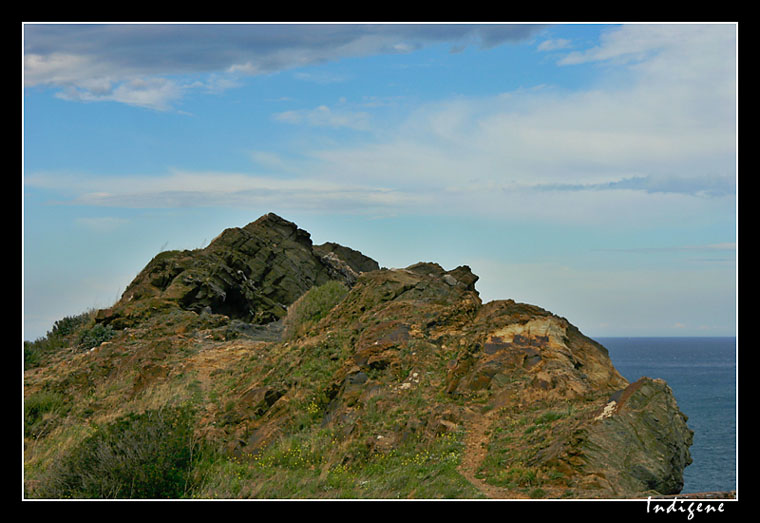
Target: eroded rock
(251, 274)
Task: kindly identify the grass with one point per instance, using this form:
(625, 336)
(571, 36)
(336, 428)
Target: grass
(314, 305)
(42, 411)
(516, 440)
(317, 465)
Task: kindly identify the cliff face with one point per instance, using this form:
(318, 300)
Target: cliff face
(409, 374)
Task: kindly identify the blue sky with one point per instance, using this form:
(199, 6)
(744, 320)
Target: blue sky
(588, 169)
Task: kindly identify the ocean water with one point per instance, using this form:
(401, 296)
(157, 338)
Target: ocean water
(702, 374)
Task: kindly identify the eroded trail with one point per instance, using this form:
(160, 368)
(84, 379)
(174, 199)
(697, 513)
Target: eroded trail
(476, 441)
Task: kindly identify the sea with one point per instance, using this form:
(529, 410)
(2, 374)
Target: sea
(702, 374)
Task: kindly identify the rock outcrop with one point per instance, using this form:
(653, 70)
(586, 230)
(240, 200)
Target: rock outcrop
(251, 273)
(409, 358)
(520, 361)
(639, 440)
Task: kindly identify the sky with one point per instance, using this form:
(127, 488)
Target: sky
(589, 169)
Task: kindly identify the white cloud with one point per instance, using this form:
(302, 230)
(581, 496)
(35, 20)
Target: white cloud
(268, 159)
(102, 223)
(654, 147)
(403, 47)
(660, 45)
(60, 68)
(215, 189)
(323, 116)
(150, 93)
(654, 133)
(321, 78)
(554, 44)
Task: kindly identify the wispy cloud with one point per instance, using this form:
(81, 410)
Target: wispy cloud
(320, 78)
(323, 116)
(101, 223)
(653, 134)
(151, 93)
(712, 247)
(678, 53)
(219, 189)
(702, 186)
(651, 148)
(554, 44)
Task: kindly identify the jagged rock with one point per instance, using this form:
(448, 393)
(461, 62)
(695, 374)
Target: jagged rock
(523, 340)
(519, 356)
(639, 440)
(633, 445)
(251, 273)
(355, 260)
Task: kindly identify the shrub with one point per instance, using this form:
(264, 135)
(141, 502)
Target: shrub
(148, 455)
(56, 338)
(314, 305)
(95, 336)
(36, 406)
(32, 356)
(69, 324)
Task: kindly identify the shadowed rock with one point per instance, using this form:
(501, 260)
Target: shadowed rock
(251, 273)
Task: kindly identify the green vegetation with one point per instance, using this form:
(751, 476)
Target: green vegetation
(94, 336)
(517, 441)
(312, 307)
(62, 335)
(41, 412)
(148, 455)
(317, 464)
(80, 332)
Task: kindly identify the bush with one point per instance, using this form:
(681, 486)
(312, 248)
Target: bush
(36, 406)
(143, 456)
(314, 305)
(95, 336)
(56, 339)
(69, 324)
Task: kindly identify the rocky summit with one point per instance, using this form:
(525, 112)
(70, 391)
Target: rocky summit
(263, 366)
(251, 273)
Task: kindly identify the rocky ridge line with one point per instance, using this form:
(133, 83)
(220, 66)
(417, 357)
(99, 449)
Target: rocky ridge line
(408, 355)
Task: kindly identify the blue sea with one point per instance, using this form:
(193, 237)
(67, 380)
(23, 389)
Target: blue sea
(702, 374)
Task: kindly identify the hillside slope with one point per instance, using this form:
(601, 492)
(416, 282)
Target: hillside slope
(301, 371)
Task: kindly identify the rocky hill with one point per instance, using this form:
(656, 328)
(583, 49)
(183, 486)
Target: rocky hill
(263, 366)
(251, 274)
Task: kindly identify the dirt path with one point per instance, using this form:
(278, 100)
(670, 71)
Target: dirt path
(476, 441)
(220, 357)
